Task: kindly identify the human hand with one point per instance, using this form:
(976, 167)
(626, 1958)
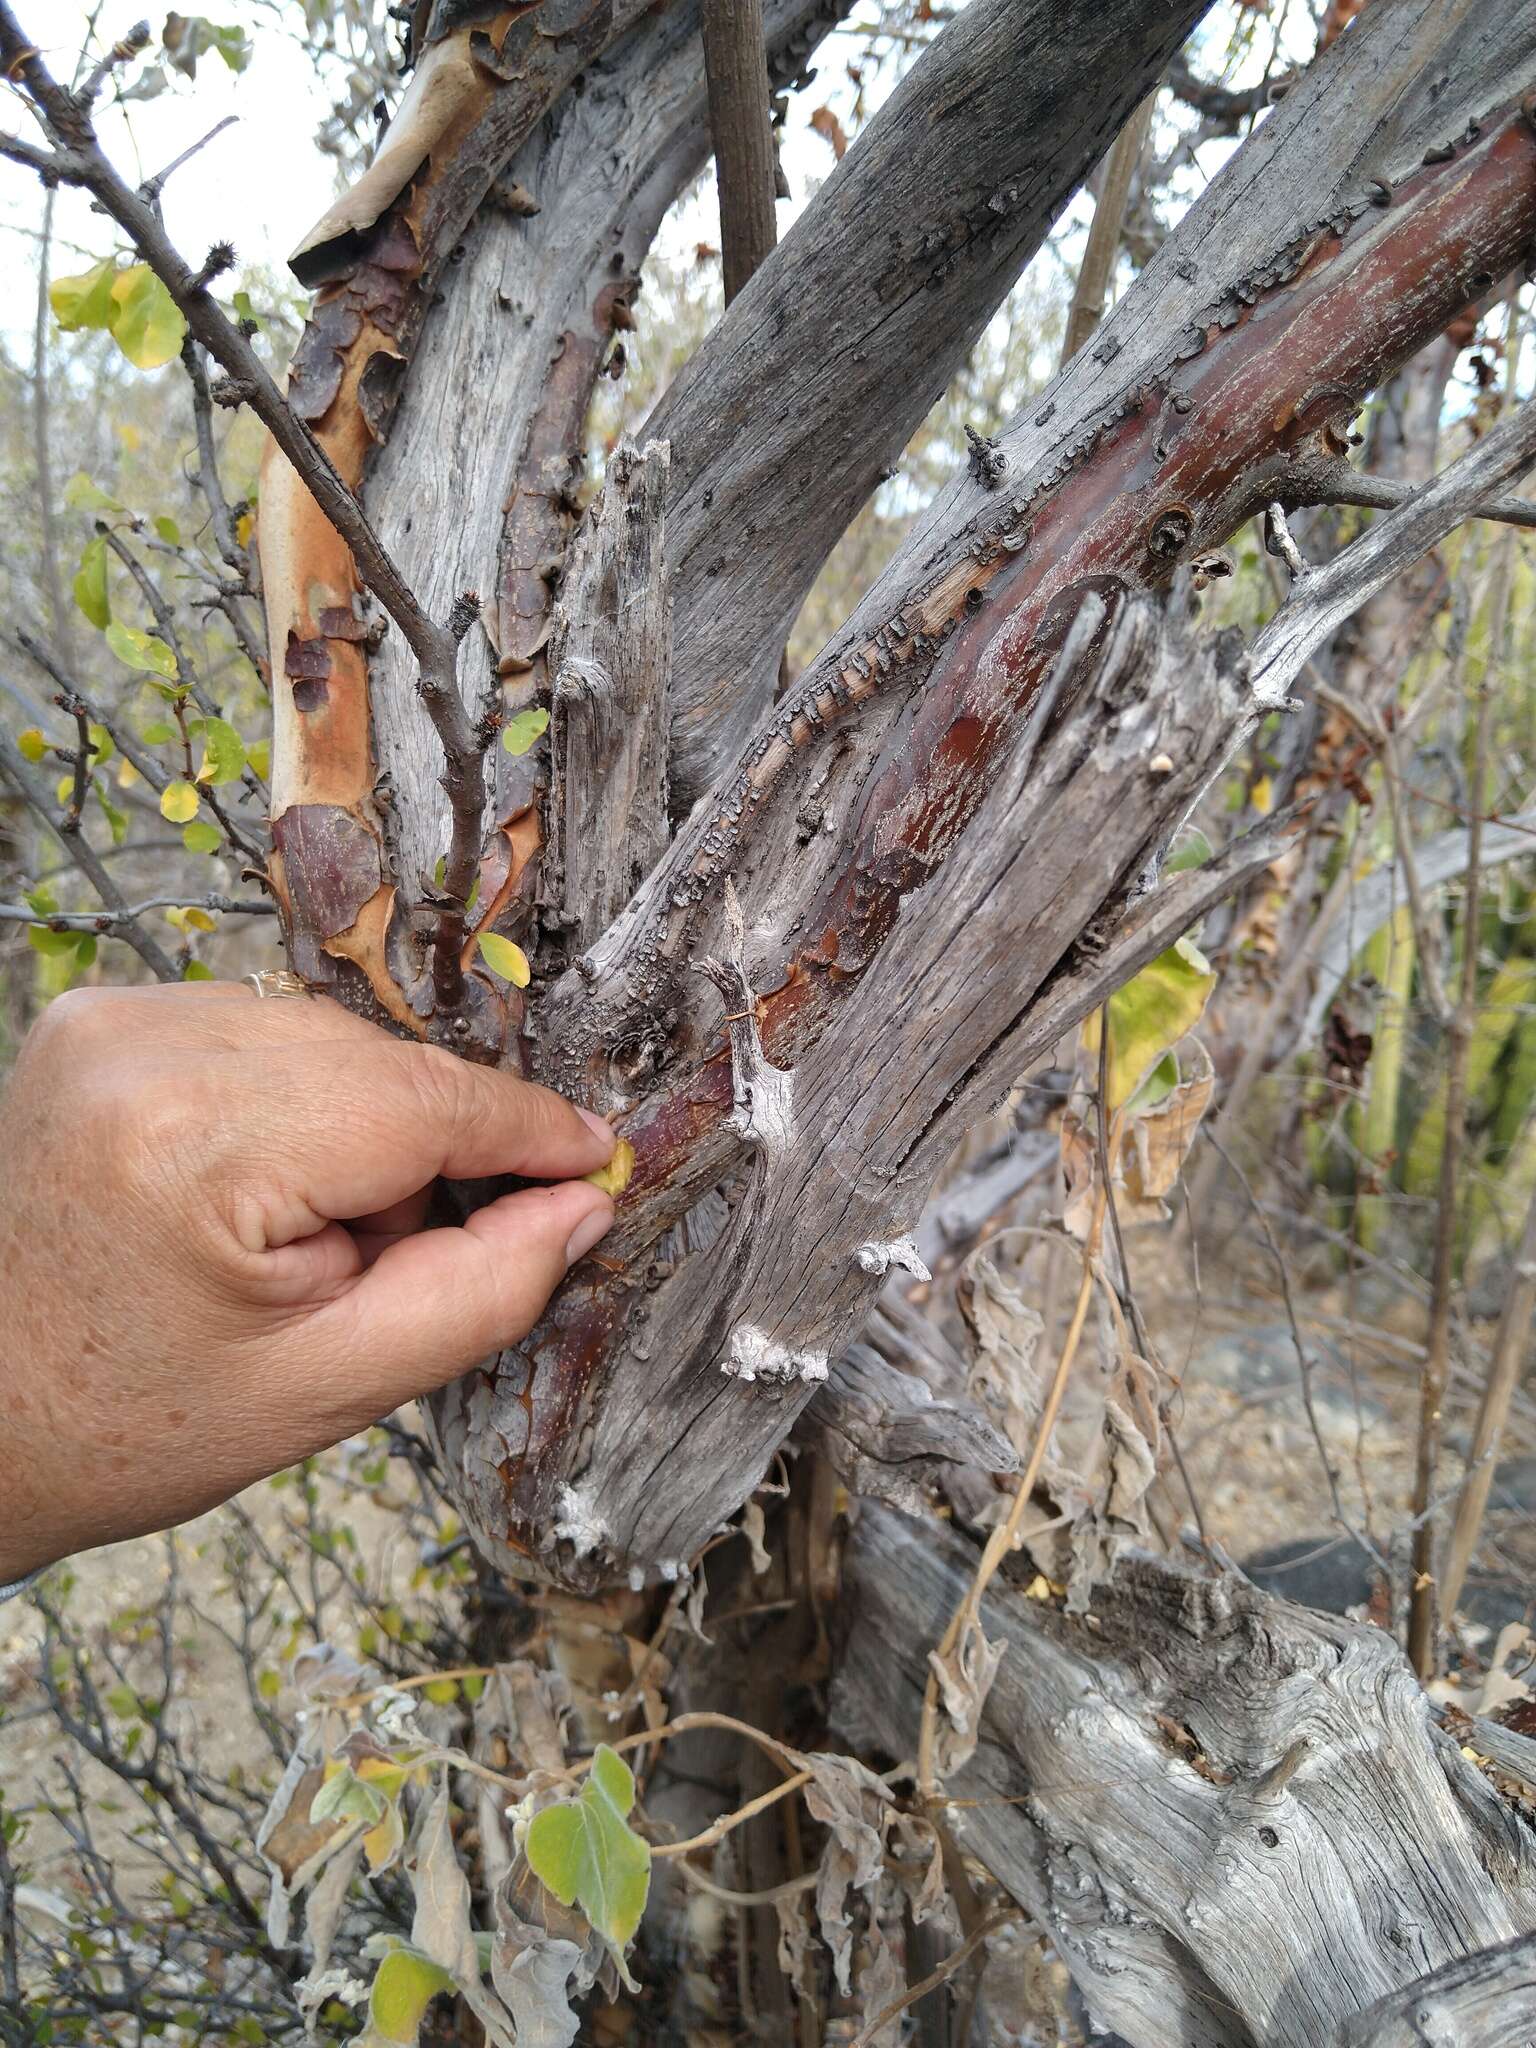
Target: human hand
(212, 1253)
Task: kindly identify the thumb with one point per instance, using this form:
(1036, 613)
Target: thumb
(438, 1302)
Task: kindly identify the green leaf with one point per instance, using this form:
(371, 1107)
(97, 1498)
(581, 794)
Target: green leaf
(1158, 1085)
(85, 300)
(404, 1985)
(346, 1796)
(81, 495)
(31, 745)
(1193, 851)
(142, 651)
(117, 821)
(190, 36)
(520, 733)
(587, 1854)
(85, 951)
(196, 971)
(178, 803)
(147, 324)
(223, 753)
(91, 583)
(1149, 1016)
(201, 837)
(505, 959)
(260, 758)
(159, 733)
(168, 530)
(50, 944)
(244, 310)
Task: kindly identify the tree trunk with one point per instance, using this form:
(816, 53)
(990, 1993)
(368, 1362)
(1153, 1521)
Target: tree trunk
(1237, 1818)
(911, 879)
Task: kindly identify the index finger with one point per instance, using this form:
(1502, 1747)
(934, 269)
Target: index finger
(359, 1126)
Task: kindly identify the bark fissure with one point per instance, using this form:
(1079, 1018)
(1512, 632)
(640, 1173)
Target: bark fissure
(1317, 1843)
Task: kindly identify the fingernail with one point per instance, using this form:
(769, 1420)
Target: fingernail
(587, 1232)
(597, 1124)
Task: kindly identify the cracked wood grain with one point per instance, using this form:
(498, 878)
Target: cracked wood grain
(1309, 1844)
(708, 1361)
(806, 393)
(1287, 289)
(533, 307)
(609, 655)
(1487, 2000)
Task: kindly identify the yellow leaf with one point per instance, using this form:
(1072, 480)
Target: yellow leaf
(1150, 1014)
(31, 744)
(245, 526)
(1262, 796)
(505, 959)
(146, 324)
(178, 803)
(86, 300)
(615, 1177)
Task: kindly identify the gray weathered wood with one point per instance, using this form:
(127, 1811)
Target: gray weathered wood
(1236, 1817)
(806, 393)
(609, 650)
(494, 405)
(894, 1409)
(1486, 2000)
(977, 979)
(928, 875)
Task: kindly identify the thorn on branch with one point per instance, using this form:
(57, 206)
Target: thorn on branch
(466, 609)
(220, 257)
(987, 464)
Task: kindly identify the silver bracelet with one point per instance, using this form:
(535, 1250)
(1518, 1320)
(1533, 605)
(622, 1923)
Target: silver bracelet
(20, 1585)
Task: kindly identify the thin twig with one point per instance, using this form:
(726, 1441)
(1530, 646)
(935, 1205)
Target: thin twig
(84, 858)
(719, 1829)
(153, 187)
(1423, 1606)
(1347, 486)
(113, 920)
(935, 1978)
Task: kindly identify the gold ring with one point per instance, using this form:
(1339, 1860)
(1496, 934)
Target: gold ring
(276, 981)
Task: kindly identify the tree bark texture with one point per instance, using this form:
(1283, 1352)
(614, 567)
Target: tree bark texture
(929, 859)
(741, 134)
(1237, 1817)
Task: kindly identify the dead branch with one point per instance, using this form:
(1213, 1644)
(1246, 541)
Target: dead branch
(736, 67)
(1236, 1817)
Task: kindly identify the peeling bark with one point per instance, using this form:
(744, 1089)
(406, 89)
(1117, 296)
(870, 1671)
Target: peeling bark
(936, 848)
(479, 88)
(855, 323)
(478, 485)
(1237, 1817)
(1328, 250)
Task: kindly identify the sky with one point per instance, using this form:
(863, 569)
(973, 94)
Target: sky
(241, 188)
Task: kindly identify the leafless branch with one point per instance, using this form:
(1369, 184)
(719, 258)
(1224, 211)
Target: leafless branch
(1346, 486)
